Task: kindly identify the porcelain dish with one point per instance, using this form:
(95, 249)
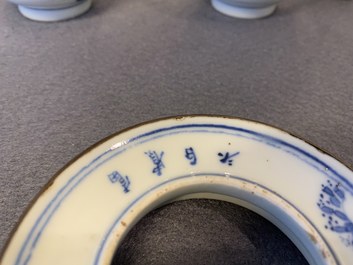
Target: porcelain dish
(86, 210)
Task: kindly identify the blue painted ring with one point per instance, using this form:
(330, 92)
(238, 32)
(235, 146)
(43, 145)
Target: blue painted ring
(248, 163)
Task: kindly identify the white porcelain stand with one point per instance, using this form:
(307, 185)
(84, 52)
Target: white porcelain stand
(243, 12)
(52, 15)
(83, 214)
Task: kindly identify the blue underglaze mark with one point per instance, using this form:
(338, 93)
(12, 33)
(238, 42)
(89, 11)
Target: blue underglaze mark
(226, 158)
(124, 181)
(44, 218)
(191, 155)
(331, 202)
(157, 161)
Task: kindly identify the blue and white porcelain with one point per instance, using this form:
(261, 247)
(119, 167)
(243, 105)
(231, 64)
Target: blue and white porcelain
(57, 10)
(52, 10)
(84, 213)
(248, 9)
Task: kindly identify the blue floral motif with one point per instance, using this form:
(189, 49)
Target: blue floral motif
(332, 198)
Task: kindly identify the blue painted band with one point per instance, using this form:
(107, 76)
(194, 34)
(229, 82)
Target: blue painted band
(139, 198)
(269, 140)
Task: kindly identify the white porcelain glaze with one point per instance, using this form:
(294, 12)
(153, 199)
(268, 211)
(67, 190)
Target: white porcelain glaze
(248, 9)
(91, 205)
(52, 10)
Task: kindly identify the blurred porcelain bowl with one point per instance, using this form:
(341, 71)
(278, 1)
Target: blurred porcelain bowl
(53, 10)
(249, 9)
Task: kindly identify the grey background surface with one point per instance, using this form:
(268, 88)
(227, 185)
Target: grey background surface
(64, 86)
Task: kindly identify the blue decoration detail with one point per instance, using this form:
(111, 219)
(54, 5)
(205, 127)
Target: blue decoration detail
(32, 238)
(124, 181)
(157, 161)
(227, 158)
(133, 203)
(332, 198)
(191, 155)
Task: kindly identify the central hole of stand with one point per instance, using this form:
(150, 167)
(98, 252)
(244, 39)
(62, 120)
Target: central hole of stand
(202, 231)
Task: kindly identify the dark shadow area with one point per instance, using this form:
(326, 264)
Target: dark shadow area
(206, 232)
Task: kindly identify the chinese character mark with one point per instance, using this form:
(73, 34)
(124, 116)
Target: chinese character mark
(227, 157)
(190, 155)
(124, 181)
(157, 161)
